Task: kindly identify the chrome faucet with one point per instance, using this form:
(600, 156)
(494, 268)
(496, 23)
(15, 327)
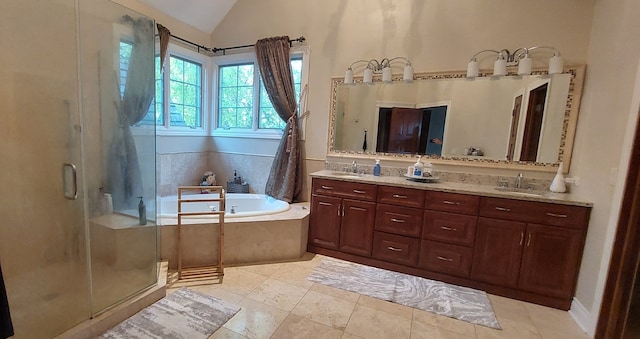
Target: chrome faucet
(354, 167)
(519, 180)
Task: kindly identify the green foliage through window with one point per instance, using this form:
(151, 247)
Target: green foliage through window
(236, 92)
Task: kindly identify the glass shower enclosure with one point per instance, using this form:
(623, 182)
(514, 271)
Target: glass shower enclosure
(77, 145)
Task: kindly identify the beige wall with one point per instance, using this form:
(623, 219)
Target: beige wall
(435, 35)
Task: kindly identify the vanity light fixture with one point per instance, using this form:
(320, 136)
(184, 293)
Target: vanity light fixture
(520, 57)
(377, 67)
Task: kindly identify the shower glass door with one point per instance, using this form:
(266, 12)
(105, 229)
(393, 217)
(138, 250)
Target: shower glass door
(117, 57)
(76, 152)
(42, 232)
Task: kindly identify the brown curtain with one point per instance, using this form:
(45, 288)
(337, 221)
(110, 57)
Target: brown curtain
(125, 177)
(164, 34)
(285, 179)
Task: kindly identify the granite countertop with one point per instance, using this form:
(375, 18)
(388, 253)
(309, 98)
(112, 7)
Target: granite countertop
(455, 187)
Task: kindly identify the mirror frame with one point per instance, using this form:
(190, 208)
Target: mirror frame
(570, 121)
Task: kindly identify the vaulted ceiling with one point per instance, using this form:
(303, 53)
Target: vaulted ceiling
(204, 15)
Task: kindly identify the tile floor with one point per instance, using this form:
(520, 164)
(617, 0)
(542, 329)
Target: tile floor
(278, 302)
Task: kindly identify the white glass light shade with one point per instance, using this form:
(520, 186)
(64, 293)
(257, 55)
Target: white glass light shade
(348, 76)
(407, 75)
(368, 76)
(386, 74)
(472, 69)
(555, 65)
(524, 66)
(500, 67)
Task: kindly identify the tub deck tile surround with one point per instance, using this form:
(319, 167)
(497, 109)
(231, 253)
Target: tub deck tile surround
(279, 236)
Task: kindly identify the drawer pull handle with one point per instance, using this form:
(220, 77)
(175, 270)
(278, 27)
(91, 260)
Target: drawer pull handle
(503, 209)
(521, 237)
(447, 202)
(397, 220)
(556, 215)
(399, 196)
(391, 248)
(339, 208)
(359, 192)
(447, 228)
(326, 187)
(529, 239)
(444, 259)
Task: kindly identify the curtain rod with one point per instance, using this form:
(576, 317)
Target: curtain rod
(224, 49)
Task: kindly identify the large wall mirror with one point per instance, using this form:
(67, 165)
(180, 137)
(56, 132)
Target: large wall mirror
(524, 122)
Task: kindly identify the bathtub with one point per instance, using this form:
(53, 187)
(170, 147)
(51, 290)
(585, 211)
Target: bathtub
(237, 205)
(262, 229)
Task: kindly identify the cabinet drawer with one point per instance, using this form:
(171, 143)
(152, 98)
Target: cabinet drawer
(401, 196)
(344, 189)
(452, 202)
(451, 228)
(396, 248)
(535, 212)
(445, 258)
(399, 220)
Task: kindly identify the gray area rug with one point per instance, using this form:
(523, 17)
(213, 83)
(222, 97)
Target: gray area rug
(453, 301)
(184, 313)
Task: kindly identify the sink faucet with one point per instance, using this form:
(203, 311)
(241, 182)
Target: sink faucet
(354, 167)
(519, 180)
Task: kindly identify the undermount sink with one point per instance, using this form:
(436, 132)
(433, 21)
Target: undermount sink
(519, 191)
(346, 174)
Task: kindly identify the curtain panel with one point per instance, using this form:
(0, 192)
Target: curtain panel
(285, 178)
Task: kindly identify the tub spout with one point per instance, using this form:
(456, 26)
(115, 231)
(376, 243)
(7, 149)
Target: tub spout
(233, 209)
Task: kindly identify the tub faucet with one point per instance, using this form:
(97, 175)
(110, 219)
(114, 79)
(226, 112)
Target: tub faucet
(233, 209)
(519, 180)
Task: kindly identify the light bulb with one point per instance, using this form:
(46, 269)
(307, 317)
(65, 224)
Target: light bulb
(524, 66)
(386, 74)
(407, 75)
(555, 64)
(348, 76)
(368, 76)
(472, 69)
(500, 67)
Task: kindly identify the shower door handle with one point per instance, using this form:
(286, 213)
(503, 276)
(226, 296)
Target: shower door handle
(73, 194)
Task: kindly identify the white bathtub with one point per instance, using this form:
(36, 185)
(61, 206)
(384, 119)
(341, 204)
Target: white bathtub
(237, 205)
(262, 229)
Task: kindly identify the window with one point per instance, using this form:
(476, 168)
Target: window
(179, 103)
(243, 105)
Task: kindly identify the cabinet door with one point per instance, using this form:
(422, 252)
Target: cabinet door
(356, 230)
(324, 224)
(550, 261)
(498, 251)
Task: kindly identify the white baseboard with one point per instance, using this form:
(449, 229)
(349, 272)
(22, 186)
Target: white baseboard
(583, 318)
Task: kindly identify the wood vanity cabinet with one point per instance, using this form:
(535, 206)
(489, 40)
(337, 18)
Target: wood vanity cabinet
(521, 249)
(398, 225)
(448, 233)
(530, 246)
(342, 216)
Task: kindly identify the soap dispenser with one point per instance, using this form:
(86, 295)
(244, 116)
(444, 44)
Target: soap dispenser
(142, 212)
(558, 185)
(417, 167)
(376, 168)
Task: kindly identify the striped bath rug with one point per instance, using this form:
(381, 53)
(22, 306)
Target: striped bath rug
(453, 301)
(184, 313)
